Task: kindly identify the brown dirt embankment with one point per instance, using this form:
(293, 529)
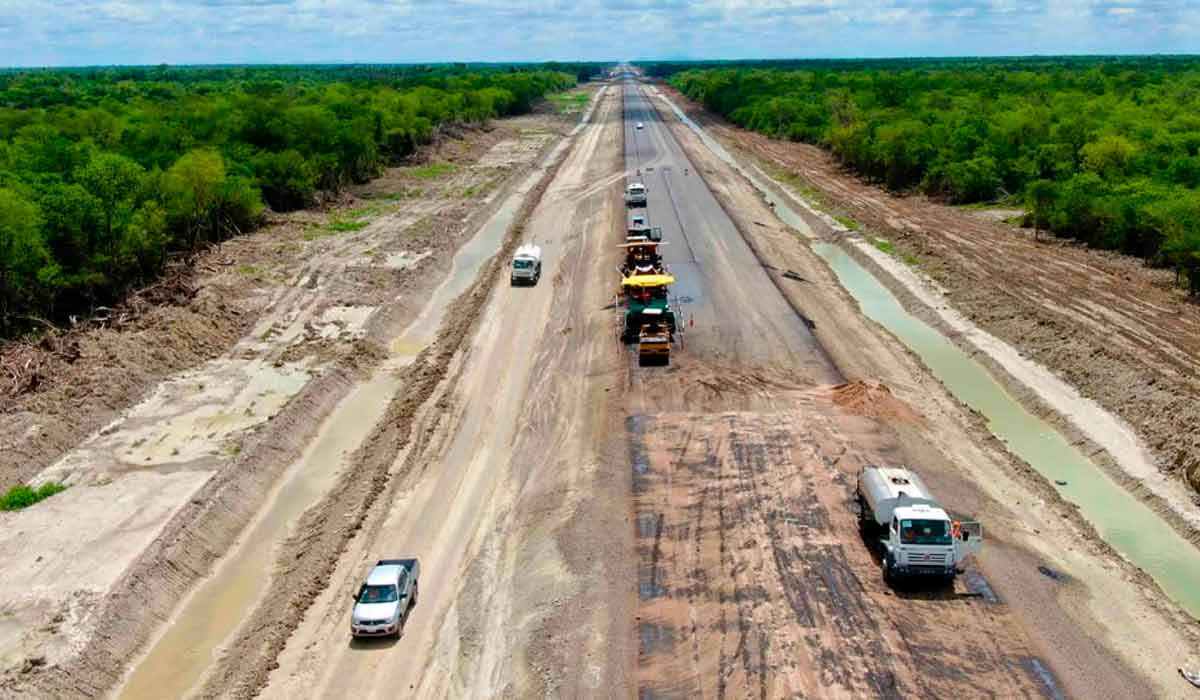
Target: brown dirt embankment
(1120, 332)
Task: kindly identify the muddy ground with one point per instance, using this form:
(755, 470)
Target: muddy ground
(316, 293)
(1124, 334)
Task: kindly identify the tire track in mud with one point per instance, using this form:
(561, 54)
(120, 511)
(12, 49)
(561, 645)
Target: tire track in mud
(756, 594)
(307, 561)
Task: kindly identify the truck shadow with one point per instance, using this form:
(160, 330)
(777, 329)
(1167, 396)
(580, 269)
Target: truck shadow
(374, 643)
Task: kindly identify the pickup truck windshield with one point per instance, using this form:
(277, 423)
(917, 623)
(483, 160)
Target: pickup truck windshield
(924, 532)
(378, 594)
(522, 264)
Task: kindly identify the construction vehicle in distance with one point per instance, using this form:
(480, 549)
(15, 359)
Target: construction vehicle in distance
(642, 258)
(643, 233)
(526, 265)
(654, 343)
(635, 195)
(914, 535)
(646, 296)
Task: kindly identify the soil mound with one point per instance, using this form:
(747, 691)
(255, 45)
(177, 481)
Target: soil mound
(872, 399)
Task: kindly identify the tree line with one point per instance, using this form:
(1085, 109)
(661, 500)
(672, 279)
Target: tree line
(1104, 150)
(106, 172)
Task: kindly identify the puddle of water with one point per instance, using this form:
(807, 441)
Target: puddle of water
(347, 322)
(655, 638)
(186, 418)
(405, 259)
(979, 586)
(1131, 527)
(213, 611)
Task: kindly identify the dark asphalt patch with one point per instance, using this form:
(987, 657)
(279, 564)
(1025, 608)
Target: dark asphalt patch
(655, 638)
(1053, 574)
(978, 585)
(1045, 680)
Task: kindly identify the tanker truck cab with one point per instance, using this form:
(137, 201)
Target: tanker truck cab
(527, 265)
(915, 535)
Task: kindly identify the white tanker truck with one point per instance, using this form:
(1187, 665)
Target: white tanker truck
(914, 534)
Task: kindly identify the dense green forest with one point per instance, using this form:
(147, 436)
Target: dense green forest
(106, 172)
(1104, 150)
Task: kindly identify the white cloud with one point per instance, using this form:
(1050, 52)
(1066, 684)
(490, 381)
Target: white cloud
(58, 32)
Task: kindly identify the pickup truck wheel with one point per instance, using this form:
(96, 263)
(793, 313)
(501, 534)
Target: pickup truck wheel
(888, 577)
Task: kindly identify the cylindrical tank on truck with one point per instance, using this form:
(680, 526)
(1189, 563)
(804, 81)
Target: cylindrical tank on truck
(914, 534)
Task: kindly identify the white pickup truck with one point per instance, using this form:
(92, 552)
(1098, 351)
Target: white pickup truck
(383, 602)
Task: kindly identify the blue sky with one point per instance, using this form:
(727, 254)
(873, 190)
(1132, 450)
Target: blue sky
(90, 32)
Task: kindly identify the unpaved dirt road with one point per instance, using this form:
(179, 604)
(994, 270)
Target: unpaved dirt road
(1096, 621)
(514, 507)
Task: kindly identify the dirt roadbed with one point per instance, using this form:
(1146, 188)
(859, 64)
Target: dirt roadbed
(163, 489)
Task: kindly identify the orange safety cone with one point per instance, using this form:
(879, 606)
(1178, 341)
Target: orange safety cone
(691, 321)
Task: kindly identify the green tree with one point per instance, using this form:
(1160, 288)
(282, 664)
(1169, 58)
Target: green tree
(22, 254)
(113, 180)
(974, 180)
(191, 189)
(1180, 221)
(1039, 198)
(1109, 156)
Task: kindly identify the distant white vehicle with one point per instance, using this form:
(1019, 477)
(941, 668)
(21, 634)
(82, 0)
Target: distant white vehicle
(635, 195)
(641, 125)
(527, 265)
(637, 222)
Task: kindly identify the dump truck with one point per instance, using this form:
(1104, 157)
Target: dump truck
(526, 265)
(914, 535)
(382, 604)
(635, 195)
